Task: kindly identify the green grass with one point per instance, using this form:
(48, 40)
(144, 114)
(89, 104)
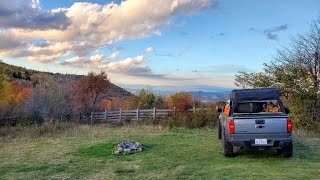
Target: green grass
(85, 152)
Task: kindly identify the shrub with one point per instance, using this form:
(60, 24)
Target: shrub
(198, 119)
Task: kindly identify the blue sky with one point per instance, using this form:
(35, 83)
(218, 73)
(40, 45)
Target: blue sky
(199, 44)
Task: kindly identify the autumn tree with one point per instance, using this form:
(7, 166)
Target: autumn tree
(130, 103)
(182, 101)
(13, 99)
(89, 91)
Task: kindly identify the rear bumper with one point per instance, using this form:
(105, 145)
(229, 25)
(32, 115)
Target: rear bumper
(248, 140)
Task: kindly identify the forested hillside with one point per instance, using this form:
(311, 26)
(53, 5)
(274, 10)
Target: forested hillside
(30, 96)
(12, 72)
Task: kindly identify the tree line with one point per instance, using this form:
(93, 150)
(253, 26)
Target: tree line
(56, 98)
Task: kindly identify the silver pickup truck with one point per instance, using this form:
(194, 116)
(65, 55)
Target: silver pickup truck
(255, 118)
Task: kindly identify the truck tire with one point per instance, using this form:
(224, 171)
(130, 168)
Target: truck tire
(226, 146)
(287, 150)
(219, 130)
(279, 152)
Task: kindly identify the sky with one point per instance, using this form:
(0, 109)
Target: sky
(162, 44)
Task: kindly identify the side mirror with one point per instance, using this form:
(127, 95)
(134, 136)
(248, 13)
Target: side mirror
(287, 111)
(218, 109)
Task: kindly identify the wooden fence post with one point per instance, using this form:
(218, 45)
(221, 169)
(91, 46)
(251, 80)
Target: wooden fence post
(154, 113)
(194, 109)
(120, 115)
(174, 111)
(137, 114)
(91, 117)
(105, 115)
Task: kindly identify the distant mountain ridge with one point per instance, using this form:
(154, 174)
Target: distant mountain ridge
(220, 94)
(9, 71)
(210, 96)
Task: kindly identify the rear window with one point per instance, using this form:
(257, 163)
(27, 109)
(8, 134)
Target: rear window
(261, 107)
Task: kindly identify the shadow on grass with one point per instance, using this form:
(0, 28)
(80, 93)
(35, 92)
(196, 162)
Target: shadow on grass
(122, 171)
(304, 151)
(255, 153)
(301, 150)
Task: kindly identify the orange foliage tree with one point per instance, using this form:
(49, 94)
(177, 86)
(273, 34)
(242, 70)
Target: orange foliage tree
(89, 91)
(13, 99)
(182, 101)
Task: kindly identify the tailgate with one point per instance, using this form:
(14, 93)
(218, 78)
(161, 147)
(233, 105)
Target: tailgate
(253, 125)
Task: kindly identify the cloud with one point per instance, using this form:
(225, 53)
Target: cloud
(115, 22)
(276, 29)
(49, 52)
(182, 52)
(114, 55)
(179, 80)
(271, 33)
(166, 55)
(214, 35)
(9, 42)
(221, 69)
(84, 27)
(88, 62)
(149, 50)
(128, 66)
(27, 14)
(132, 66)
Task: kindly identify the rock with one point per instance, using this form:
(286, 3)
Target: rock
(127, 147)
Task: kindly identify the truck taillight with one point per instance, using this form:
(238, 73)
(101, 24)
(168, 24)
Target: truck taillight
(231, 126)
(289, 125)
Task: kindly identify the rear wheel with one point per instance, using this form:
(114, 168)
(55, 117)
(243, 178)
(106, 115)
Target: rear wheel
(279, 152)
(227, 147)
(287, 150)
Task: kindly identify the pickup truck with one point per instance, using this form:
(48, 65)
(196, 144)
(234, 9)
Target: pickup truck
(255, 118)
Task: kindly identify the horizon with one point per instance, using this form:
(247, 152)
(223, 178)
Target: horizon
(187, 45)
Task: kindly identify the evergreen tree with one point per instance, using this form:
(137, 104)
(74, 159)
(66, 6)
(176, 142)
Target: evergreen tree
(27, 76)
(19, 75)
(14, 75)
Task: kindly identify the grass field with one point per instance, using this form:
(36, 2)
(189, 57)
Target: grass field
(84, 152)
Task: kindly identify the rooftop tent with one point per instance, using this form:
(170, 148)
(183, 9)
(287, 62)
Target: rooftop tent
(239, 95)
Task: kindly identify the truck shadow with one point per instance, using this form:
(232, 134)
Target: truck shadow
(255, 153)
(301, 150)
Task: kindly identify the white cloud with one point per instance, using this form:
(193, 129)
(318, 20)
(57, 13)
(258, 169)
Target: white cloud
(87, 27)
(150, 50)
(133, 66)
(48, 53)
(88, 62)
(114, 55)
(132, 19)
(128, 66)
(84, 28)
